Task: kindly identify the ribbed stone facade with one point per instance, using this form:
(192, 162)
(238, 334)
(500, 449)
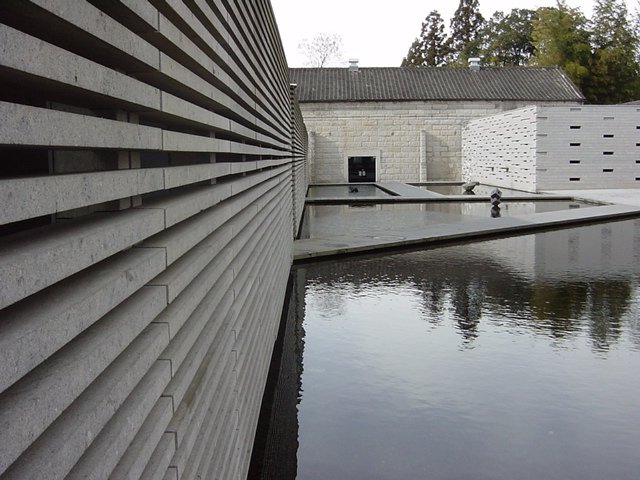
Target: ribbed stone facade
(152, 180)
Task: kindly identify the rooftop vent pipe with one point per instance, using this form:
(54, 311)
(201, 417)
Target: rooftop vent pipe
(353, 64)
(474, 63)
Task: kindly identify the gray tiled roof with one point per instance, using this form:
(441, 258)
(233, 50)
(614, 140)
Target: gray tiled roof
(433, 83)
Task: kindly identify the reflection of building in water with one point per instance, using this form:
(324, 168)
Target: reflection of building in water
(556, 282)
(598, 251)
(274, 452)
(559, 284)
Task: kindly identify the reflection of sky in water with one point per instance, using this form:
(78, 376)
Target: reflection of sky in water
(330, 220)
(455, 363)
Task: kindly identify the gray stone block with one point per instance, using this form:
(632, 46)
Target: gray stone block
(188, 174)
(24, 125)
(139, 452)
(106, 450)
(158, 466)
(34, 260)
(185, 235)
(71, 15)
(77, 75)
(184, 270)
(30, 197)
(189, 201)
(191, 113)
(32, 404)
(55, 452)
(34, 329)
(190, 351)
(205, 445)
(218, 398)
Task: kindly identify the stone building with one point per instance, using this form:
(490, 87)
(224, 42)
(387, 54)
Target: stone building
(405, 124)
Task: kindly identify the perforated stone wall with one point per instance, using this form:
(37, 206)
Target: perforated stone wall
(555, 148)
(592, 146)
(501, 149)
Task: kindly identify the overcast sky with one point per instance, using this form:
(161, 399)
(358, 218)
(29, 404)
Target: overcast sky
(378, 33)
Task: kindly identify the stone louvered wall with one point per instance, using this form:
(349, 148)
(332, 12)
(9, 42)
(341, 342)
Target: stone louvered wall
(152, 171)
(300, 170)
(555, 148)
(501, 149)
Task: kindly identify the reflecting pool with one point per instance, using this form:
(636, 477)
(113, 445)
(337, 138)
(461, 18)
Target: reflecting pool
(390, 218)
(478, 190)
(515, 358)
(346, 191)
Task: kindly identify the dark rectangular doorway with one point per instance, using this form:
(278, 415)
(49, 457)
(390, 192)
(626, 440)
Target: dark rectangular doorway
(361, 169)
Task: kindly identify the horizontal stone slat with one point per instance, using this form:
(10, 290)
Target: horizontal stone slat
(55, 452)
(37, 196)
(106, 450)
(31, 331)
(34, 260)
(33, 403)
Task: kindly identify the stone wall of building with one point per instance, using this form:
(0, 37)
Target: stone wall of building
(590, 146)
(555, 148)
(151, 180)
(412, 141)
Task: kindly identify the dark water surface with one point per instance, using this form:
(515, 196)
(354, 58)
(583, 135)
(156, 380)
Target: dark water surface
(344, 191)
(516, 358)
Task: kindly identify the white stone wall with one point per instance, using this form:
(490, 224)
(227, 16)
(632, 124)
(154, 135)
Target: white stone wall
(501, 149)
(592, 146)
(393, 131)
(541, 148)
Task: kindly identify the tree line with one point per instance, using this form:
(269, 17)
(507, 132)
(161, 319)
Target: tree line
(601, 54)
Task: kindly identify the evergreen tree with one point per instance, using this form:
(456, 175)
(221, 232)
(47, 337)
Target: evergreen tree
(560, 37)
(434, 40)
(613, 72)
(466, 32)
(415, 56)
(431, 47)
(508, 38)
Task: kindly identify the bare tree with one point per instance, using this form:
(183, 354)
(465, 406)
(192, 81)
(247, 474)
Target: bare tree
(323, 50)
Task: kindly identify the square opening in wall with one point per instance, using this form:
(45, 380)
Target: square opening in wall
(361, 169)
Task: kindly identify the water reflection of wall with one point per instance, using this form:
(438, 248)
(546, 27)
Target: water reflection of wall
(524, 283)
(274, 453)
(598, 251)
